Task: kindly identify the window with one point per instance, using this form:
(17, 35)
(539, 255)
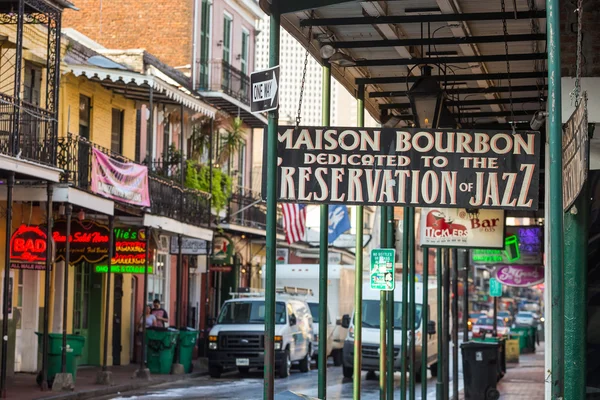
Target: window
(227, 25)
(32, 84)
(241, 167)
(19, 305)
(116, 135)
(204, 43)
(249, 312)
(245, 43)
(84, 116)
(157, 280)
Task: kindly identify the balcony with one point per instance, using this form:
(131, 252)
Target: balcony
(168, 198)
(35, 139)
(246, 208)
(228, 88)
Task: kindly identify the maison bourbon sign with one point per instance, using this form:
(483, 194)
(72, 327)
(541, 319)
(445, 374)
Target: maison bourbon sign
(408, 167)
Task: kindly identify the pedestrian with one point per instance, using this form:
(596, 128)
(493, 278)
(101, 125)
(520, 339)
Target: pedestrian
(148, 318)
(161, 314)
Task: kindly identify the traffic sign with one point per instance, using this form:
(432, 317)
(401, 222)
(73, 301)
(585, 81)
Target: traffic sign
(264, 85)
(495, 288)
(382, 269)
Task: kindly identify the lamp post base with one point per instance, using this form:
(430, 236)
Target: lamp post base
(63, 382)
(177, 369)
(104, 378)
(142, 373)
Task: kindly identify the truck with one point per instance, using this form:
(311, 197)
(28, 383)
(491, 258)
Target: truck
(340, 298)
(370, 331)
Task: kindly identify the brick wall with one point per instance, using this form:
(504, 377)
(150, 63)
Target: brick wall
(162, 27)
(590, 38)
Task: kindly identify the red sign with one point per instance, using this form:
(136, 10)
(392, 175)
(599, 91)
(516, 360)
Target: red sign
(30, 267)
(28, 244)
(89, 241)
(130, 247)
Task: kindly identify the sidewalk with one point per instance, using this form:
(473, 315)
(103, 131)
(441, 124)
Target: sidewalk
(524, 380)
(24, 387)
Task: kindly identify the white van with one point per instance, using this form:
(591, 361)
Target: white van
(238, 338)
(340, 300)
(370, 331)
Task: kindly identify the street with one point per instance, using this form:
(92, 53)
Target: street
(235, 386)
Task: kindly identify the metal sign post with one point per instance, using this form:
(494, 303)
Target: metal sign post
(390, 309)
(495, 292)
(264, 86)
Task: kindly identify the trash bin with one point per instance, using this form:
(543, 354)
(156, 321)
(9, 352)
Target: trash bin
(512, 349)
(75, 345)
(501, 353)
(528, 332)
(522, 337)
(187, 342)
(480, 370)
(160, 346)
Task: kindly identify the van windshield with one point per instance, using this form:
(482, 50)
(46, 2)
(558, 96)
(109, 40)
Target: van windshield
(249, 312)
(370, 314)
(314, 310)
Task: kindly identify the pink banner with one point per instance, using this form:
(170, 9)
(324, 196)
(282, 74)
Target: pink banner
(126, 182)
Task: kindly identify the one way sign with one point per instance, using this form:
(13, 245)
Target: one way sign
(265, 86)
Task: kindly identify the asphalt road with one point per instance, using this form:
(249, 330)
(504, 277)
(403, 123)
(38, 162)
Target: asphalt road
(250, 386)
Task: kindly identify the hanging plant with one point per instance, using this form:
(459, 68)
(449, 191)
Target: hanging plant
(198, 177)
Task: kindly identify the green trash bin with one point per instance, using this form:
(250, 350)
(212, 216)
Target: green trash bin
(160, 349)
(526, 339)
(75, 345)
(187, 342)
(522, 337)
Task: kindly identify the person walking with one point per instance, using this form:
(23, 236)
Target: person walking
(161, 314)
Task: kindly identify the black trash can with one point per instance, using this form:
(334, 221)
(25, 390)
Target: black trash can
(481, 370)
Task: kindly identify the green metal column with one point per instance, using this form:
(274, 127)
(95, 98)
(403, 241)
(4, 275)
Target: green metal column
(439, 385)
(556, 197)
(358, 267)
(390, 310)
(382, 313)
(576, 244)
(411, 314)
(269, 379)
(425, 321)
(405, 272)
(323, 244)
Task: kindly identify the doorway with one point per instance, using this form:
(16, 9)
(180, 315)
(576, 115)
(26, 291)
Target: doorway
(117, 319)
(26, 314)
(87, 303)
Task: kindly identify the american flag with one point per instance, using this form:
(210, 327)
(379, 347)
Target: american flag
(294, 221)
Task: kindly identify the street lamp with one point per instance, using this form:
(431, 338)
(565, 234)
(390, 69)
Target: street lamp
(426, 99)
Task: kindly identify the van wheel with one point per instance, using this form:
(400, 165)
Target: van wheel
(337, 357)
(348, 372)
(305, 362)
(418, 376)
(214, 372)
(434, 369)
(286, 365)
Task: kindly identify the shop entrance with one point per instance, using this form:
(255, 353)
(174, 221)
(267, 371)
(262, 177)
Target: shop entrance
(88, 297)
(26, 313)
(117, 311)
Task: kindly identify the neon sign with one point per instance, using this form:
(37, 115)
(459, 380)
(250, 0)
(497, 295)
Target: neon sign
(88, 240)
(522, 245)
(123, 269)
(28, 244)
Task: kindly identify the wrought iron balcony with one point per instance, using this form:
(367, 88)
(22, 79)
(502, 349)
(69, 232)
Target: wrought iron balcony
(220, 76)
(168, 198)
(246, 208)
(35, 138)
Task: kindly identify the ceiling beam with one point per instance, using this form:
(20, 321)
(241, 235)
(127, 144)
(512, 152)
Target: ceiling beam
(408, 19)
(452, 78)
(482, 102)
(490, 114)
(451, 60)
(483, 90)
(356, 44)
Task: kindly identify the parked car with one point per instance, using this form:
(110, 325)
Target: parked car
(526, 318)
(485, 326)
(473, 317)
(237, 340)
(506, 316)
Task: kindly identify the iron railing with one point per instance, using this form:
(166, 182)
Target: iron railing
(35, 138)
(246, 208)
(168, 198)
(220, 76)
(168, 168)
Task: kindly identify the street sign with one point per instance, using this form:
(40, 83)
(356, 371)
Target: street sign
(495, 288)
(575, 143)
(264, 86)
(382, 269)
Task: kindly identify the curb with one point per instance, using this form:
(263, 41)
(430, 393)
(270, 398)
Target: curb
(127, 387)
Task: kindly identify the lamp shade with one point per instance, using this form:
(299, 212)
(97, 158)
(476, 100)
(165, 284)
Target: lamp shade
(426, 99)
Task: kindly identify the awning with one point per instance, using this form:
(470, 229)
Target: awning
(136, 86)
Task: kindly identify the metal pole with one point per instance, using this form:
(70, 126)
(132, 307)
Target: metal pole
(49, 223)
(145, 302)
(269, 378)
(495, 326)
(179, 285)
(466, 298)
(68, 213)
(358, 268)
(446, 332)
(405, 272)
(425, 322)
(455, 324)
(150, 133)
(323, 244)
(382, 311)
(439, 385)
(390, 310)
(111, 239)
(5, 300)
(412, 314)
(556, 195)
(576, 243)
